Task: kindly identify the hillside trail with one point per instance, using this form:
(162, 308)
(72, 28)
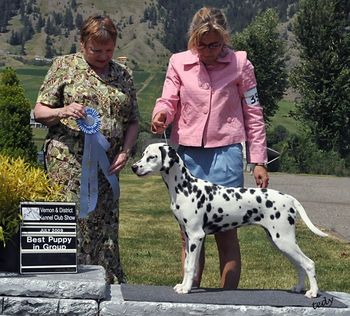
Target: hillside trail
(145, 83)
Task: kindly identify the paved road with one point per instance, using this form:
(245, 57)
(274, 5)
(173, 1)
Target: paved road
(326, 199)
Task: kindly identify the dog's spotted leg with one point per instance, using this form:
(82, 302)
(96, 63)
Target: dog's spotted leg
(301, 262)
(194, 242)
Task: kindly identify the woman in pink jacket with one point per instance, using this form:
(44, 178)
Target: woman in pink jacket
(210, 98)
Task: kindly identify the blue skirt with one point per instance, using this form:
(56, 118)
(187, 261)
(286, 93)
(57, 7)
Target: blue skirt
(220, 165)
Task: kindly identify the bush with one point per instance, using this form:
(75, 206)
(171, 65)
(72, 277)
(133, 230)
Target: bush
(300, 155)
(19, 182)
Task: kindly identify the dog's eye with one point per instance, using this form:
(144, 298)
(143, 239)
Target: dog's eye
(151, 157)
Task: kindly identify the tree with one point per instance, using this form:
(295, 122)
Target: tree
(267, 53)
(323, 76)
(16, 139)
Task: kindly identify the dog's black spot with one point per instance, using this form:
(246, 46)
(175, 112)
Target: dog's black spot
(257, 219)
(226, 197)
(268, 204)
(277, 235)
(185, 220)
(245, 219)
(195, 188)
(193, 247)
(175, 178)
(201, 201)
(278, 215)
(208, 207)
(218, 219)
(205, 219)
(226, 225)
(263, 190)
(213, 228)
(220, 210)
(177, 206)
(234, 224)
(255, 210)
(192, 200)
(199, 193)
(242, 190)
(176, 190)
(292, 210)
(291, 220)
(229, 191)
(208, 188)
(250, 213)
(258, 199)
(262, 215)
(252, 191)
(238, 196)
(211, 197)
(272, 217)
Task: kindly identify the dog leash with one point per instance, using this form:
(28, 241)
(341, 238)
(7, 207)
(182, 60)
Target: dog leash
(165, 138)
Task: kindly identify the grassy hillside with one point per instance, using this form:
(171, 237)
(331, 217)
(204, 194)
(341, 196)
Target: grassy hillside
(135, 40)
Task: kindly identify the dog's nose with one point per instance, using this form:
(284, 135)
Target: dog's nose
(134, 168)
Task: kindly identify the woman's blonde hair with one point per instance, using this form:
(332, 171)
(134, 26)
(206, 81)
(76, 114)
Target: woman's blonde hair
(98, 28)
(205, 20)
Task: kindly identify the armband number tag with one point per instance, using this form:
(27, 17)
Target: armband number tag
(251, 97)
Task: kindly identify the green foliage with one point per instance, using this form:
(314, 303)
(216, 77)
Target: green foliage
(15, 132)
(300, 155)
(267, 53)
(177, 16)
(19, 182)
(323, 77)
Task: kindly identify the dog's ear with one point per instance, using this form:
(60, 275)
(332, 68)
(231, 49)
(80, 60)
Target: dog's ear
(162, 153)
(173, 154)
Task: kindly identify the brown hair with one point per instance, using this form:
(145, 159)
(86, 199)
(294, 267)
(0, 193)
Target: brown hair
(205, 20)
(98, 28)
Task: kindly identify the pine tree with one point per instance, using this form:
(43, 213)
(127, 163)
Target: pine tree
(16, 137)
(323, 77)
(267, 53)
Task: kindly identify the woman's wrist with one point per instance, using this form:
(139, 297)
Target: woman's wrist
(126, 152)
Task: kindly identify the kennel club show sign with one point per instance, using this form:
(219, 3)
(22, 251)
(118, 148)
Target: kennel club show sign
(48, 237)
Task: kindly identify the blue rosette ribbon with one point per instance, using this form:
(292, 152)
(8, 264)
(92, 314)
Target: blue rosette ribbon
(94, 155)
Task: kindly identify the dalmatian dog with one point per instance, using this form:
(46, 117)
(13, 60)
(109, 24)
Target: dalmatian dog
(203, 208)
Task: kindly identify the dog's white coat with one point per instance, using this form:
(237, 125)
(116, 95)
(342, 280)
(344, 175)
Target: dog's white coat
(204, 208)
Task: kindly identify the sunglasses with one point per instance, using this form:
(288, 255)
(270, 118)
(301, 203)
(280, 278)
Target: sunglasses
(209, 46)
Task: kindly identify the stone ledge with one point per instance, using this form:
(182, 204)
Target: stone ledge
(88, 283)
(48, 306)
(116, 305)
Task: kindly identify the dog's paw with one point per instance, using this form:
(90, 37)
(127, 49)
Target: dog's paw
(297, 289)
(311, 294)
(180, 289)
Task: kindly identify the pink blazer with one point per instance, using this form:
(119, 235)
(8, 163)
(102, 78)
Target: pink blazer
(214, 106)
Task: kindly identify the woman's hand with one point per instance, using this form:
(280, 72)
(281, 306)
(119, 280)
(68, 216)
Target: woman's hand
(261, 176)
(158, 125)
(119, 162)
(73, 110)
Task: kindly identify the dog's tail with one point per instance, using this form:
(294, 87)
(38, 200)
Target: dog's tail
(307, 220)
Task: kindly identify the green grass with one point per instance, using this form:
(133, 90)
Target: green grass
(31, 79)
(282, 117)
(150, 246)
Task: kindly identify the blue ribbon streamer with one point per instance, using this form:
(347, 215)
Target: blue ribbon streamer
(94, 155)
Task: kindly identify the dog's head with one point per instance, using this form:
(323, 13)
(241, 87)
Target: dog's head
(155, 158)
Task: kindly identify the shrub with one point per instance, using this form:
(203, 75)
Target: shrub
(19, 182)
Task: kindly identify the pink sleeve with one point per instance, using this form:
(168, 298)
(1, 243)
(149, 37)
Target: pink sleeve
(253, 116)
(170, 96)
